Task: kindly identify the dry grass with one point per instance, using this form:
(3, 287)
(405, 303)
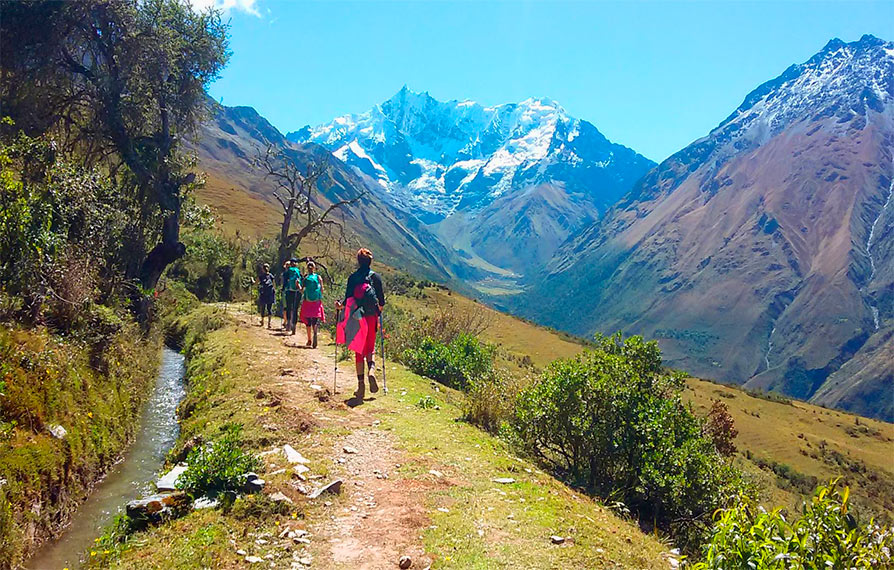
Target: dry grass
(791, 435)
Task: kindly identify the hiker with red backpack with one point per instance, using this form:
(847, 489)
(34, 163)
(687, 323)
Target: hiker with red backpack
(363, 302)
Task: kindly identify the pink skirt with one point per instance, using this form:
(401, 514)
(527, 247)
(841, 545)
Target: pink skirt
(312, 310)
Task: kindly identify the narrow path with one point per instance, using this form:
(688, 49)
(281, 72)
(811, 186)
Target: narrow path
(379, 515)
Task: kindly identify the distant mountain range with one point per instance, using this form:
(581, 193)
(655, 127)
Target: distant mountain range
(761, 254)
(491, 180)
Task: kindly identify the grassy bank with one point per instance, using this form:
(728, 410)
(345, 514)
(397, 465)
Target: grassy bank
(238, 373)
(91, 390)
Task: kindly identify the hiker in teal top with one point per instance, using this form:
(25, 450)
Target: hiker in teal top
(312, 306)
(292, 287)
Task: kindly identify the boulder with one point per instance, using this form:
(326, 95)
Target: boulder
(168, 481)
(404, 562)
(254, 485)
(293, 456)
(333, 487)
(281, 498)
(157, 508)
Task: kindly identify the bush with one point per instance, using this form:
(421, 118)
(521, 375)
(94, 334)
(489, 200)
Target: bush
(491, 401)
(455, 364)
(218, 467)
(826, 536)
(610, 420)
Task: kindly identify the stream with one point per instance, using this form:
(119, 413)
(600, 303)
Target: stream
(129, 479)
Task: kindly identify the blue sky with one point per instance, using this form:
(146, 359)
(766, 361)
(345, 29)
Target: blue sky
(650, 75)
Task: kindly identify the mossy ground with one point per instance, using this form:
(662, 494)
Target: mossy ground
(94, 393)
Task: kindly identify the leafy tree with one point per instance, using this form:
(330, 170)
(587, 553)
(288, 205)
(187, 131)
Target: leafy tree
(610, 419)
(122, 84)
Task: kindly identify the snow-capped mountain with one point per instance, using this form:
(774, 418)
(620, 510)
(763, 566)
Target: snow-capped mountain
(762, 253)
(436, 158)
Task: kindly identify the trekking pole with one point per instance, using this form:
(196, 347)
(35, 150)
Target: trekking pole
(384, 376)
(335, 339)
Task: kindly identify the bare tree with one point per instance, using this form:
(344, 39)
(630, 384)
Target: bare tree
(296, 191)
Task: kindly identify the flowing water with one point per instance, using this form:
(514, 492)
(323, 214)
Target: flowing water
(870, 241)
(129, 479)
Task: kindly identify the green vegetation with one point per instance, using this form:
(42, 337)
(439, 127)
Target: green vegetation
(611, 420)
(219, 466)
(92, 392)
(825, 536)
(455, 364)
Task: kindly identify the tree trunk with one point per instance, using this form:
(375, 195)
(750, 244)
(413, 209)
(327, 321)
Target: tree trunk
(166, 252)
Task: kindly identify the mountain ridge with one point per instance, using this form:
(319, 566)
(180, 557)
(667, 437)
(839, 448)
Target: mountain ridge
(461, 164)
(746, 252)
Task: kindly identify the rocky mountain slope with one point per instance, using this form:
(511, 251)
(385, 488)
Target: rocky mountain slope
(763, 253)
(487, 180)
(226, 146)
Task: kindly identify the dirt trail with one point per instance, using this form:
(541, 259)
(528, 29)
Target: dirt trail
(379, 516)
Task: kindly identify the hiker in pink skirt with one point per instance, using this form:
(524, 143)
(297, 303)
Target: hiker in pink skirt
(312, 304)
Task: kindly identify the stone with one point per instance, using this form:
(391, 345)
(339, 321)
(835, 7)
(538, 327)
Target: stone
(157, 508)
(277, 472)
(253, 559)
(350, 450)
(300, 469)
(205, 503)
(674, 563)
(333, 487)
(436, 473)
(241, 552)
(57, 431)
(251, 476)
(555, 539)
(270, 452)
(292, 455)
(504, 480)
(281, 498)
(168, 481)
(254, 485)
(404, 562)
(306, 561)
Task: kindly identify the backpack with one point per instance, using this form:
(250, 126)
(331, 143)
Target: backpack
(365, 295)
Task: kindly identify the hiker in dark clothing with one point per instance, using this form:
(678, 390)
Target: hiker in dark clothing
(266, 294)
(358, 285)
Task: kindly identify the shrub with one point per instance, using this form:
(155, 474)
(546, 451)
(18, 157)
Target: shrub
(720, 429)
(610, 420)
(491, 400)
(218, 467)
(455, 364)
(826, 536)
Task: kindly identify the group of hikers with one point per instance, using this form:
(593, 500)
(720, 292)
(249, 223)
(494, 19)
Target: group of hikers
(302, 300)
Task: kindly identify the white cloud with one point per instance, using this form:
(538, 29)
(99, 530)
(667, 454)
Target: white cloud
(247, 6)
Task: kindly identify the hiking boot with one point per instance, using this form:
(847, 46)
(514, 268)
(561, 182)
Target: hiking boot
(361, 390)
(315, 341)
(373, 385)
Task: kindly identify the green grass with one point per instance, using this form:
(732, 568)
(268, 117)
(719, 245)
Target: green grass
(786, 433)
(538, 504)
(487, 525)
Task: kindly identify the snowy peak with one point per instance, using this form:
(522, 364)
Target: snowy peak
(843, 80)
(437, 157)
